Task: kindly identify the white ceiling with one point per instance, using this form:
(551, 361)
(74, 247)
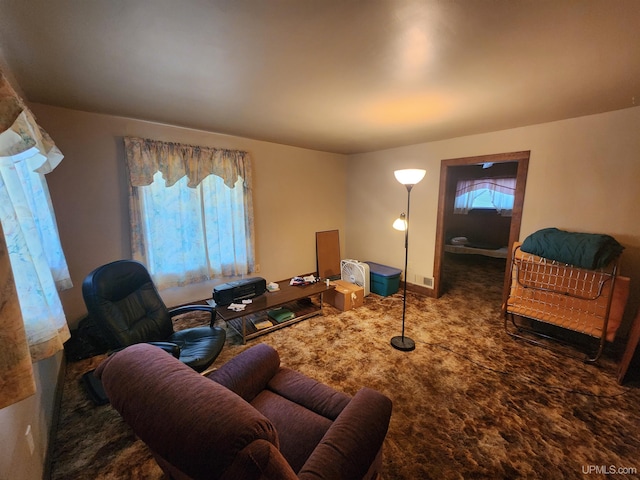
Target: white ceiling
(335, 75)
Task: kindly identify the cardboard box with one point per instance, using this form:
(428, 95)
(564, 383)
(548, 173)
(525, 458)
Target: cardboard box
(345, 296)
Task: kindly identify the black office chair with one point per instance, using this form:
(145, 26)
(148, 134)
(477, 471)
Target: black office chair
(126, 308)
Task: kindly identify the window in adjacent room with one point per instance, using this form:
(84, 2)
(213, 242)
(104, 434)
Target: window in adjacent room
(191, 211)
(485, 193)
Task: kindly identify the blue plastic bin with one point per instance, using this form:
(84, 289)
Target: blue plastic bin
(385, 280)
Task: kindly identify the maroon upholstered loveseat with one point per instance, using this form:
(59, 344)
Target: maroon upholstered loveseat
(250, 419)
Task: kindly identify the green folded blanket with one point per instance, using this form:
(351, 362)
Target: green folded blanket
(281, 314)
(584, 250)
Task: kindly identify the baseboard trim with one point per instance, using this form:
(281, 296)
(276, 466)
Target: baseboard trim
(412, 287)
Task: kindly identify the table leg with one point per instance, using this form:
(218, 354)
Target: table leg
(244, 330)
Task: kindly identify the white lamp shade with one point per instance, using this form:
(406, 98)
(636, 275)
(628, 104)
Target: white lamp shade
(409, 176)
(400, 223)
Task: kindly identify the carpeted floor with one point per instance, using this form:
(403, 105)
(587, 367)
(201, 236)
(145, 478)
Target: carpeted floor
(469, 402)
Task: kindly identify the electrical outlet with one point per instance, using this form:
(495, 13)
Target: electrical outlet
(257, 268)
(28, 435)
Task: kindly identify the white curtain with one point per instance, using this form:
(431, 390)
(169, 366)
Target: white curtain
(191, 211)
(31, 238)
(498, 192)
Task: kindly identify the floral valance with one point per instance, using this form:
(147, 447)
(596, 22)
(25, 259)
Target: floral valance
(19, 133)
(175, 160)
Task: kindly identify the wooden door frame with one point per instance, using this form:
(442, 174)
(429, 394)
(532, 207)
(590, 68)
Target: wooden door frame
(522, 158)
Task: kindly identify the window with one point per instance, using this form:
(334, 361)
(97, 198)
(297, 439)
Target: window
(486, 193)
(192, 218)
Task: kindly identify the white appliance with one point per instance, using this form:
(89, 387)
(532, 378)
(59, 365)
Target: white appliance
(353, 271)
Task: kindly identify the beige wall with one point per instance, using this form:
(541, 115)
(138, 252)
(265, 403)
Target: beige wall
(35, 413)
(296, 193)
(583, 176)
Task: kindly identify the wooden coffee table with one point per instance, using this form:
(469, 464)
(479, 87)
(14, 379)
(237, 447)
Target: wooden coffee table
(297, 298)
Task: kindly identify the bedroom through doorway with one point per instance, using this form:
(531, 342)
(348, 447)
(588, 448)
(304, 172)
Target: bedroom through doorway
(480, 206)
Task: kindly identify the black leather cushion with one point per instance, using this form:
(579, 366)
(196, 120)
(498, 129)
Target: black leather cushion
(197, 344)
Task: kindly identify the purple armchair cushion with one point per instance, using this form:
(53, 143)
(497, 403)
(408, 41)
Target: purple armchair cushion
(193, 423)
(299, 429)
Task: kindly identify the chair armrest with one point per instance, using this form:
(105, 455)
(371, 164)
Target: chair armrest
(353, 441)
(309, 393)
(194, 308)
(259, 460)
(249, 372)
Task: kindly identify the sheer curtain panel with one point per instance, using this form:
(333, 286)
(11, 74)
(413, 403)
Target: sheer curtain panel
(191, 211)
(500, 193)
(30, 236)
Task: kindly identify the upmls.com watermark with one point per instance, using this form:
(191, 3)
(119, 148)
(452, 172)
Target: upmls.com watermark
(608, 470)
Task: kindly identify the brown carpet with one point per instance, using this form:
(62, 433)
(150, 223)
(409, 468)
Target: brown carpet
(469, 402)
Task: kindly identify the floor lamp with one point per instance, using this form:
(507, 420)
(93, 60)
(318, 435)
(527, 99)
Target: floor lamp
(408, 177)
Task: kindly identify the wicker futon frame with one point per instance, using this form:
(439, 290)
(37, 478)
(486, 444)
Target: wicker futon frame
(571, 298)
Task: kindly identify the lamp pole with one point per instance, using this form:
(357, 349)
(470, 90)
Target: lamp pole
(403, 343)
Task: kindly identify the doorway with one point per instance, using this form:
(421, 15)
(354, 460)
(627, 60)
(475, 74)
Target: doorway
(447, 193)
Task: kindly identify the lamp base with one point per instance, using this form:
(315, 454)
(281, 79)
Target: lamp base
(403, 343)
